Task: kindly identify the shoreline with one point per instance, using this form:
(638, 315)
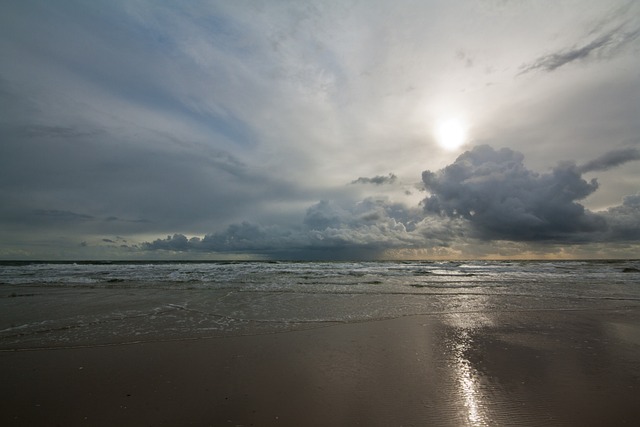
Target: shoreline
(303, 326)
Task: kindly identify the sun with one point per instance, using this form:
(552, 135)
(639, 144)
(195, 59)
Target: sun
(451, 134)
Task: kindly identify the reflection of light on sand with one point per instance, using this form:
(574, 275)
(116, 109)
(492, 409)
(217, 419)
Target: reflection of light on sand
(469, 316)
(468, 385)
(470, 392)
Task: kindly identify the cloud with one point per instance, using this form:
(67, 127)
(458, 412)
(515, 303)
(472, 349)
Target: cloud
(502, 199)
(177, 242)
(377, 180)
(624, 220)
(603, 45)
(54, 131)
(62, 216)
(150, 178)
(611, 159)
(485, 194)
(58, 215)
(362, 230)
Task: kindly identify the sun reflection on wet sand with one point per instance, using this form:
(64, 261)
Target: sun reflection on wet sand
(466, 374)
(468, 385)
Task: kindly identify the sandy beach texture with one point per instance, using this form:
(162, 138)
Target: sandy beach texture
(552, 368)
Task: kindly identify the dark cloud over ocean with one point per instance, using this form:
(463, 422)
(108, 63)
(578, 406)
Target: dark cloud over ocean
(485, 193)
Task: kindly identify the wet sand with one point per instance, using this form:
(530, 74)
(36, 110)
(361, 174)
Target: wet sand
(564, 368)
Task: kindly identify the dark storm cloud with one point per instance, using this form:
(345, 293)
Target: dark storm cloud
(377, 180)
(243, 237)
(177, 242)
(485, 193)
(624, 220)
(365, 229)
(502, 199)
(603, 45)
(611, 159)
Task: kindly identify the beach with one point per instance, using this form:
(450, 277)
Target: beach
(520, 368)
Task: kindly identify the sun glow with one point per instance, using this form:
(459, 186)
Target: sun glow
(451, 134)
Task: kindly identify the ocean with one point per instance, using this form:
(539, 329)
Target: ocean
(80, 304)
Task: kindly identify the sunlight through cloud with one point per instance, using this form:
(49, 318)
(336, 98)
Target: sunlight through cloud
(451, 134)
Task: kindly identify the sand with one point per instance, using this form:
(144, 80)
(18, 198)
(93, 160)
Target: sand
(564, 368)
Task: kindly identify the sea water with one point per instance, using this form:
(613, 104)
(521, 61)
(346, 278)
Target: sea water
(67, 304)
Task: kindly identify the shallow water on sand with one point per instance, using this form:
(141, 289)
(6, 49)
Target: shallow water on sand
(83, 304)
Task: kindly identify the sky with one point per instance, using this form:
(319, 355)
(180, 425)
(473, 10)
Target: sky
(502, 129)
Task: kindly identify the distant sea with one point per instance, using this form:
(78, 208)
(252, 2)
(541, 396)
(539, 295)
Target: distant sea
(76, 304)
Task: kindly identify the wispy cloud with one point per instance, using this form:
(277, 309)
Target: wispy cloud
(58, 215)
(611, 159)
(602, 46)
(377, 180)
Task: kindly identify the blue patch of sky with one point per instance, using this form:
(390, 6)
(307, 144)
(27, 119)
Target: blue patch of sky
(156, 38)
(229, 34)
(138, 85)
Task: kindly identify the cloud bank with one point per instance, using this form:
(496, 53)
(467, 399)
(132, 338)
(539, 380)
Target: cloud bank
(485, 194)
(360, 231)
